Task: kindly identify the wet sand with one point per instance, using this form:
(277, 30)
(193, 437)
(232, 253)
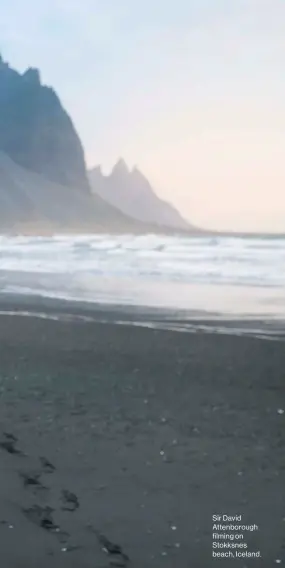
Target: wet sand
(136, 437)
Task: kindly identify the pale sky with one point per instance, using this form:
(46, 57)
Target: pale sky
(192, 91)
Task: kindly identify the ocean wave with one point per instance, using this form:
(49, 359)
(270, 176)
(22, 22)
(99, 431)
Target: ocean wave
(231, 260)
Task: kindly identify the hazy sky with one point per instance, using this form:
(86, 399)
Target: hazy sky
(192, 91)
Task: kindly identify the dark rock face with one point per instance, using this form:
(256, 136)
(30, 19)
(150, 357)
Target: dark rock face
(35, 130)
(131, 192)
(43, 179)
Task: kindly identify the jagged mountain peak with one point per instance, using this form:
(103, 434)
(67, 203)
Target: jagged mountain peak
(36, 131)
(32, 75)
(43, 175)
(120, 168)
(137, 175)
(97, 172)
(131, 192)
(137, 172)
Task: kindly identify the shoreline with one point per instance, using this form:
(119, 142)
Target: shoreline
(185, 321)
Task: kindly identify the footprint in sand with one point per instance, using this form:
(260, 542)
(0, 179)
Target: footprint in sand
(43, 518)
(9, 444)
(47, 466)
(70, 501)
(115, 552)
(33, 479)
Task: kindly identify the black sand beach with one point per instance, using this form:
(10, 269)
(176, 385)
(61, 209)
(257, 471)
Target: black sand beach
(152, 432)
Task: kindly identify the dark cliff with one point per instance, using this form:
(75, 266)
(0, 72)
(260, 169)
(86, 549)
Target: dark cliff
(44, 185)
(35, 130)
(43, 179)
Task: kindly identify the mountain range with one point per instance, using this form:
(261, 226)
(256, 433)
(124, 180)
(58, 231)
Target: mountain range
(44, 183)
(131, 193)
